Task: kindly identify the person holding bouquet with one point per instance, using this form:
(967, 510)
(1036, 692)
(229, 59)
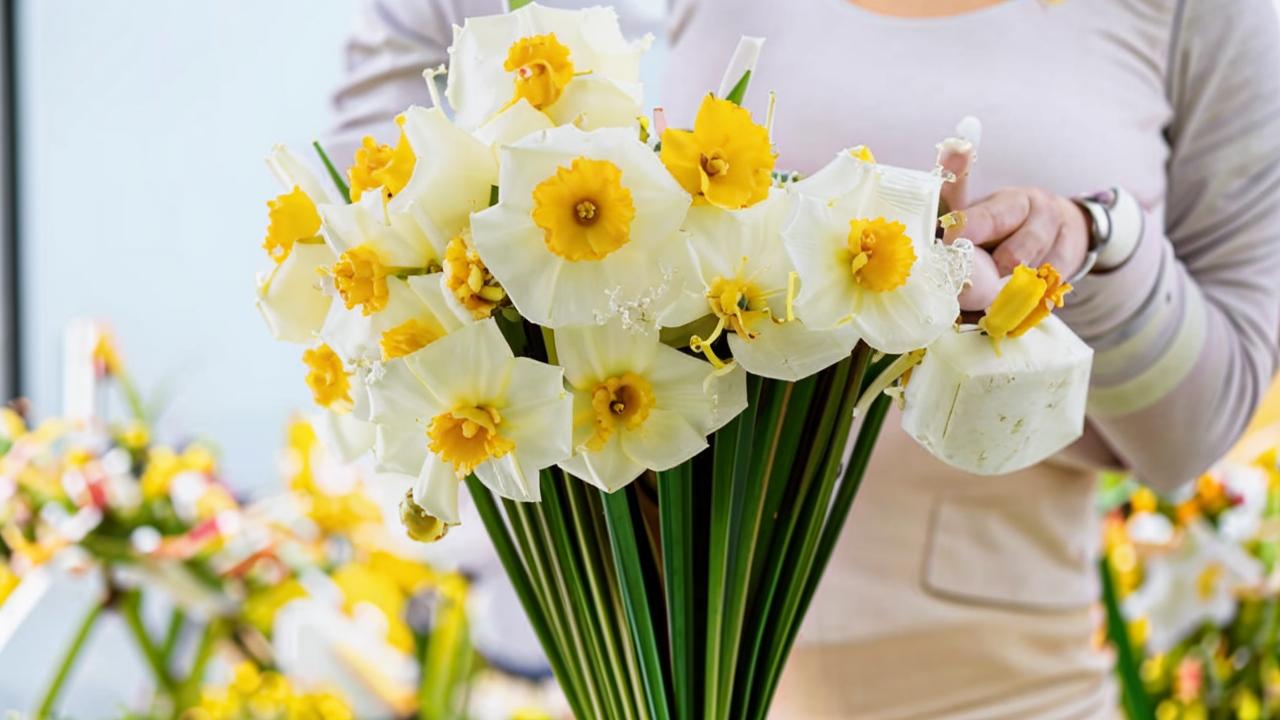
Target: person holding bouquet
(1133, 146)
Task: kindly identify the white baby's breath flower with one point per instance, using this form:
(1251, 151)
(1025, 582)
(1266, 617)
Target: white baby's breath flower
(572, 65)
(639, 404)
(862, 240)
(745, 280)
(585, 221)
(466, 404)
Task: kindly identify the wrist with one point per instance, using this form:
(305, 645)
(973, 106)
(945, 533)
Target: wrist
(1115, 226)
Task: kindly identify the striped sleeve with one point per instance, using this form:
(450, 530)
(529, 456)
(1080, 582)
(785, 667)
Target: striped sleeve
(1186, 333)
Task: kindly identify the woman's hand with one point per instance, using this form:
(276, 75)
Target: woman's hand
(1010, 227)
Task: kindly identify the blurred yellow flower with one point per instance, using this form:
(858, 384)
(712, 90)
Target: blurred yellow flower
(291, 217)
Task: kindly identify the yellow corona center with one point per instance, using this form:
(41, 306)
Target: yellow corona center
(1025, 300)
(465, 437)
(624, 400)
(1207, 581)
(291, 217)
(584, 210)
(406, 338)
(383, 166)
(881, 253)
(863, 153)
(330, 385)
(361, 279)
(542, 69)
(739, 304)
(726, 160)
(469, 280)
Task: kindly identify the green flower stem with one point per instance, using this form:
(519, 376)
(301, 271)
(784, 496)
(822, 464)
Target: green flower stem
(624, 683)
(518, 573)
(334, 175)
(1134, 696)
(675, 498)
(530, 540)
(130, 605)
(189, 692)
(445, 664)
(626, 557)
(176, 620)
(571, 578)
(51, 694)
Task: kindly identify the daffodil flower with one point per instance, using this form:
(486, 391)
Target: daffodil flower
(465, 404)
(1195, 583)
(572, 65)
(372, 246)
(862, 240)
(416, 312)
(746, 282)
(726, 160)
(289, 296)
(452, 175)
(639, 404)
(586, 228)
(1025, 301)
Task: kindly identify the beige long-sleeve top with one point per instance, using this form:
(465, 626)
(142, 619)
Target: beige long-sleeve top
(951, 595)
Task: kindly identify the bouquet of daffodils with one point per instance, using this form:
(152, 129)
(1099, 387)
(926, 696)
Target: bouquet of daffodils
(1192, 588)
(658, 363)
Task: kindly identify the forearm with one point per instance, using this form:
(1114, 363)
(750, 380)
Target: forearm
(1178, 368)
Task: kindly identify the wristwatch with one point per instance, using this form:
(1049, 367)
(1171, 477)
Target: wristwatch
(1115, 227)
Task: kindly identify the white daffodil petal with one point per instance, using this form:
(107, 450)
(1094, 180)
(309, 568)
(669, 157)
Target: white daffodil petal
(356, 336)
(436, 490)
(292, 173)
(538, 416)
(914, 315)
(592, 102)
(398, 397)
(510, 478)
(592, 353)
(398, 241)
(665, 440)
(290, 298)
(347, 436)
(681, 385)
(512, 124)
(479, 87)
(400, 448)
(728, 392)
(452, 174)
(633, 280)
(470, 363)
(790, 351)
(816, 242)
(608, 468)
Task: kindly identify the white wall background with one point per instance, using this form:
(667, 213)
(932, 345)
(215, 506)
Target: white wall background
(143, 188)
(144, 127)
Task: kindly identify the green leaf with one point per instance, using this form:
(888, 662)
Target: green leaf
(676, 511)
(493, 195)
(334, 175)
(626, 556)
(446, 663)
(513, 5)
(739, 90)
(1134, 696)
(518, 572)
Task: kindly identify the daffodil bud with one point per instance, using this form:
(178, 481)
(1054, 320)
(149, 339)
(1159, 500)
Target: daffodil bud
(418, 524)
(989, 413)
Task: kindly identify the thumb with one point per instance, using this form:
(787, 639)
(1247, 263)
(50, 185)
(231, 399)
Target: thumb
(956, 156)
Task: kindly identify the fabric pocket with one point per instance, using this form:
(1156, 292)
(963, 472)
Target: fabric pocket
(1031, 547)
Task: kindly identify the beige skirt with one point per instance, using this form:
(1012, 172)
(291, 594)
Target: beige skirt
(955, 596)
